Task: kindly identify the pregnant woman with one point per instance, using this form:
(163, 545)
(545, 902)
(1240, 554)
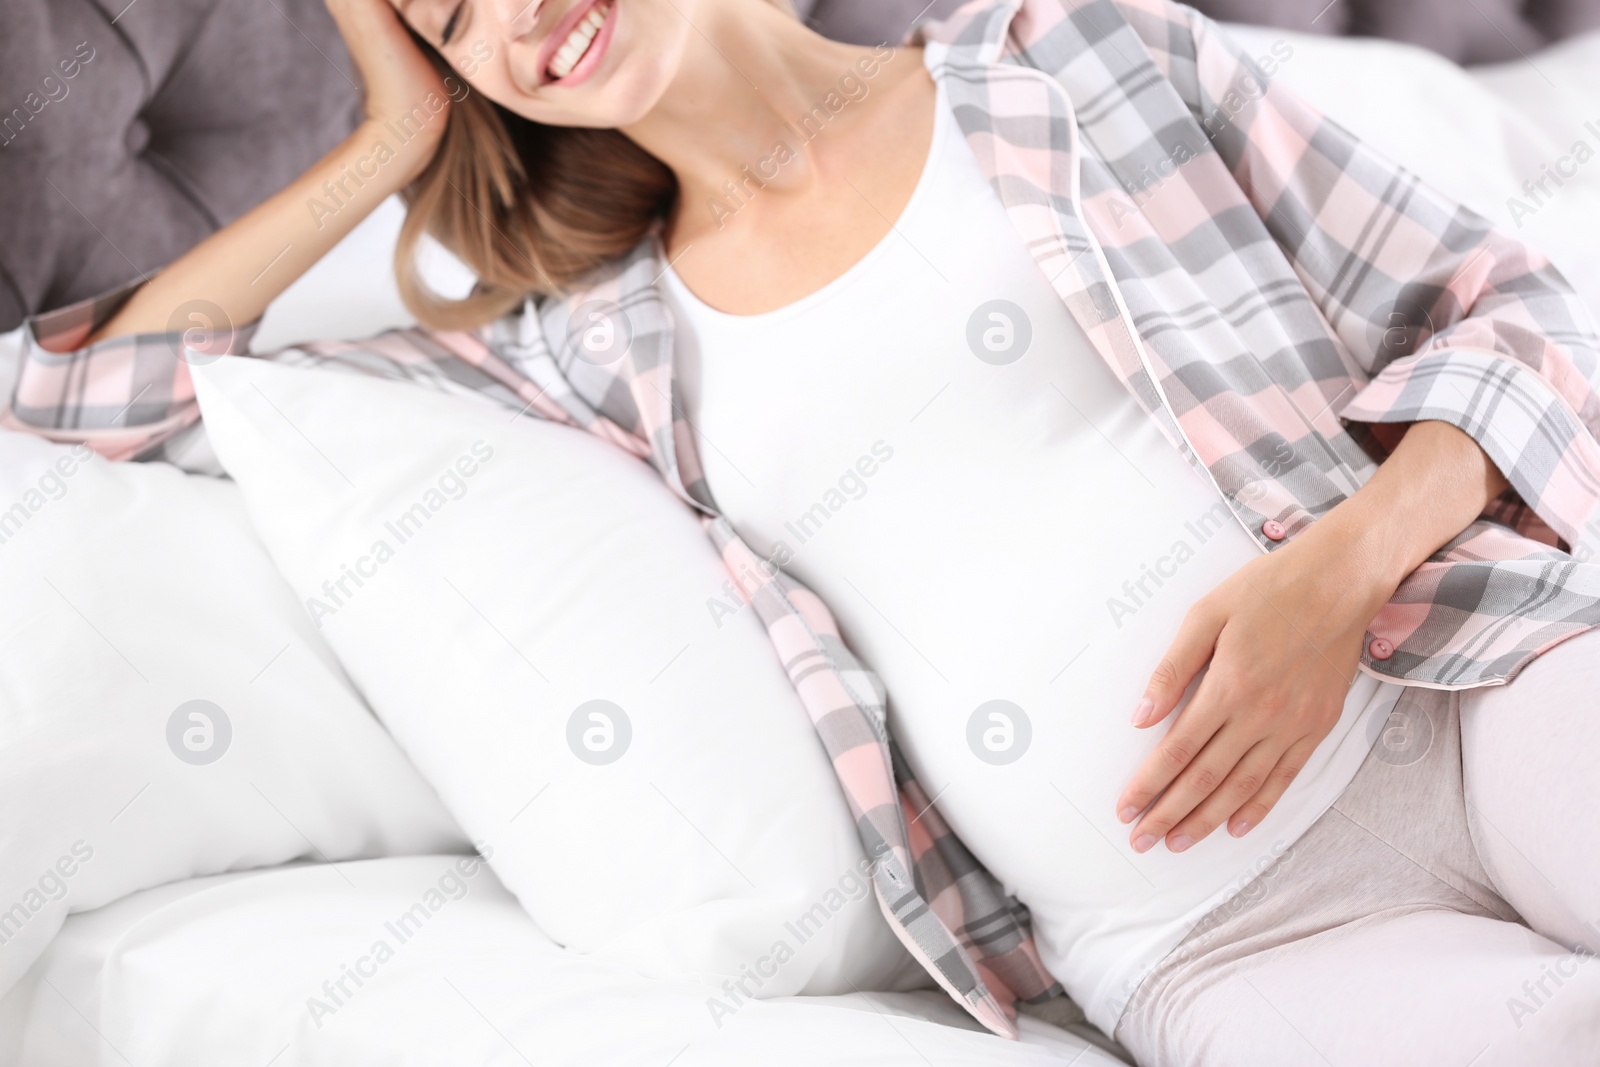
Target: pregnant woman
(1082, 373)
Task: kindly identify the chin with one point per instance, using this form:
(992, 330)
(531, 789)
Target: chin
(607, 107)
(631, 94)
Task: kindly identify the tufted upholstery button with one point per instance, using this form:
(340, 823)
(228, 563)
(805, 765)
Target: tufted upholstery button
(138, 138)
(1273, 530)
(1378, 648)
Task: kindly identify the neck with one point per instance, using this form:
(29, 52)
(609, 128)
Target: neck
(750, 74)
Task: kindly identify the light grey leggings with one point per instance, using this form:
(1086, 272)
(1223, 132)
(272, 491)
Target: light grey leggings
(1444, 913)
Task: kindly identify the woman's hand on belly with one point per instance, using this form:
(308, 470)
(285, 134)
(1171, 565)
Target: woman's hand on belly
(1282, 638)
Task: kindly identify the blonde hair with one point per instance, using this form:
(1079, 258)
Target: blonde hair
(530, 208)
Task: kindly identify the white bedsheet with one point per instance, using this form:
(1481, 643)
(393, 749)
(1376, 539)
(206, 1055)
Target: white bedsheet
(220, 971)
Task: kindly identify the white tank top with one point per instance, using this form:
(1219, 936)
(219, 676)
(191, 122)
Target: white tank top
(992, 517)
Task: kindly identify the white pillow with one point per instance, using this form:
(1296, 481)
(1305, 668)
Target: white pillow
(166, 709)
(499, 587)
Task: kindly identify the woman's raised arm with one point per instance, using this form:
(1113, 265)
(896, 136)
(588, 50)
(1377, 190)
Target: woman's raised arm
(237, 271)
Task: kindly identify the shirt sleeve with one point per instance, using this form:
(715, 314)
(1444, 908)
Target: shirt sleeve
(1447, 317)
(127, 397)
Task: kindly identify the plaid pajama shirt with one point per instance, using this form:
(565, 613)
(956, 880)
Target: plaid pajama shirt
(1277, 297)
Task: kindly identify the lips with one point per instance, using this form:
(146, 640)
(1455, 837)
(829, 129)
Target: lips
(577, 44)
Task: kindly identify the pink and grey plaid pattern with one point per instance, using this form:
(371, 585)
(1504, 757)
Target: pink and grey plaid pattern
(1270, 290)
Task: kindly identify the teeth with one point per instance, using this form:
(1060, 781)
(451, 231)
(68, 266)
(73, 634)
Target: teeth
(577, 45)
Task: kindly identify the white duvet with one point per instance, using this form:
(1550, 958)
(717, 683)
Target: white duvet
(317, 965)
(282, 967)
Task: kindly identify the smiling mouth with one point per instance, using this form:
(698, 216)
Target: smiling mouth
(580, 41)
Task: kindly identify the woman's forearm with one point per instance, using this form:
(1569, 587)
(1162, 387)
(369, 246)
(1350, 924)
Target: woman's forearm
(1431, 487)
(243, 267)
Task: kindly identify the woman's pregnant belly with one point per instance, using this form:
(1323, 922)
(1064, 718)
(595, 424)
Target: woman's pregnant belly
(1014, 573)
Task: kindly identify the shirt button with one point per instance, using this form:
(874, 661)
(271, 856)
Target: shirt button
(1273, 529)
(1378, 648)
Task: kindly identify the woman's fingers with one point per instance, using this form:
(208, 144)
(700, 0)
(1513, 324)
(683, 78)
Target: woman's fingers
(1288, 767)
(1201, 772)
(1193, 733)
(1189, 652)
(1244, 782)
(399, 75)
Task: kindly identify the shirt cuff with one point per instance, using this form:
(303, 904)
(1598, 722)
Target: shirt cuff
(1549, 456)
(125, 396)
(65, 329)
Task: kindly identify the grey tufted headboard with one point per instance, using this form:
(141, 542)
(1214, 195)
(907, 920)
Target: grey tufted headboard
(1467, 31)
(130, 129)
(128, 132)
